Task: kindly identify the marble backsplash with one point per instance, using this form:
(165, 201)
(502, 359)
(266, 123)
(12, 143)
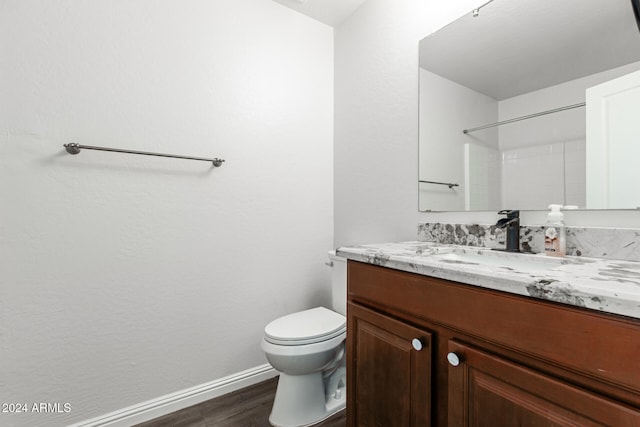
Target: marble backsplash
(609, 243)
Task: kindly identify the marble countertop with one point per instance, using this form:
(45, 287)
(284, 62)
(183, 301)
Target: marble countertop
(600, 284)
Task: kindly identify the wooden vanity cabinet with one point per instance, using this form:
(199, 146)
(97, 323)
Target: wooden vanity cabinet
(482, 358)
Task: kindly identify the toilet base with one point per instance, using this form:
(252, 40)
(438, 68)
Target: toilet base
(301, 401)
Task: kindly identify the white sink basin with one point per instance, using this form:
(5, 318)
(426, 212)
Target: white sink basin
(498, 259)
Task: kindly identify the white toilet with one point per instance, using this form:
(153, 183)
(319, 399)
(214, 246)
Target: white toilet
(308, 349)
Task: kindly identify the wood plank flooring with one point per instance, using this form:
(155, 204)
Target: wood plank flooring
(249, 407)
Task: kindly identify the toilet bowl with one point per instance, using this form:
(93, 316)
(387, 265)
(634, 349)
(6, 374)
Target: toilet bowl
(307, 348)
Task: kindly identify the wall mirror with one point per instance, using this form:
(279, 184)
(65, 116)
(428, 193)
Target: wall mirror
(510, 104)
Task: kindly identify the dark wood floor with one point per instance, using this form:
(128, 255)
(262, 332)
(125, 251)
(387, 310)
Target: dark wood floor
(249, 407)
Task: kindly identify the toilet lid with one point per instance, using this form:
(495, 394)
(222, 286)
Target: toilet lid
(305, 327)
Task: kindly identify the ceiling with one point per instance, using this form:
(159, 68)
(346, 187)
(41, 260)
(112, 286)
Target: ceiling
(331, 12)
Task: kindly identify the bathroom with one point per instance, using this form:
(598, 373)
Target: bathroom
(128, 278)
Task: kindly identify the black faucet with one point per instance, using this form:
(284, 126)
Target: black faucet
(512, 224)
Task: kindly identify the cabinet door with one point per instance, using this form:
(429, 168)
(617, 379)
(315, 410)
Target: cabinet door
(389, 371)
(487, 391)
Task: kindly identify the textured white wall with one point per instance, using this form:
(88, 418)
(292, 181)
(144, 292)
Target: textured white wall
(123, 278)
(376, 126)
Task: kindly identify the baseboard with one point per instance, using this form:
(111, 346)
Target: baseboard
(169, 403)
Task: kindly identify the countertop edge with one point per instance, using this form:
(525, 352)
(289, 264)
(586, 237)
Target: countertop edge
(593, 286)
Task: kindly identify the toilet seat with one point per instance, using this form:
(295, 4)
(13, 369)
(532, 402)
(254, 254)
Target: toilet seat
(305, 327)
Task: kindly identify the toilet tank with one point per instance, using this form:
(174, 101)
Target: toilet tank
(338, 283)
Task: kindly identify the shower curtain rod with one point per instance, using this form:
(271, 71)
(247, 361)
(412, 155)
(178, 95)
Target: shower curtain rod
(530, 116)
(74, 148)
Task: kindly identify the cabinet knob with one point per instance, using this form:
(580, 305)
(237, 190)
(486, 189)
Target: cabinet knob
(453, 359)
(417, 344)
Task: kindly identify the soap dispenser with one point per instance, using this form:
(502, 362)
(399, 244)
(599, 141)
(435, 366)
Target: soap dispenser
(554, 233)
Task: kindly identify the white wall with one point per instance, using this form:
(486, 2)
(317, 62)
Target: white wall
(446, 108)
(123, 278)
(376, 117)
(376, 126)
